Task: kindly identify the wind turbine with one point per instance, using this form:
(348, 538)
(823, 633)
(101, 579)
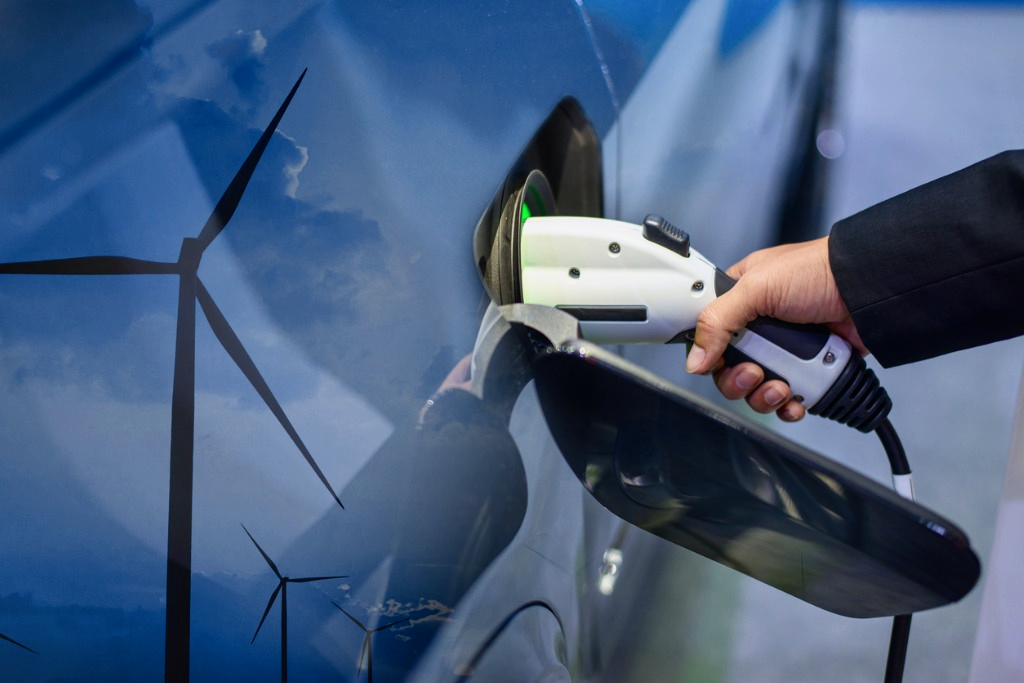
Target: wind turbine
(282, 588)
(190, 290)
(367, 649)
(12, 640)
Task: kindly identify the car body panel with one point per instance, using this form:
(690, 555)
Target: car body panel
(347, 276)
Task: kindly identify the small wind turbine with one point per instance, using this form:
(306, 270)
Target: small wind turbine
(282, 588)
(13, 641)
(367, 649)
(190, 289)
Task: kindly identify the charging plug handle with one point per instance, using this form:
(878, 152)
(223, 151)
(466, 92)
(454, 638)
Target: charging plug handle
(856, 398)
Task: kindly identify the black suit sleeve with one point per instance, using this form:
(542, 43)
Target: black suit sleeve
(939, 268)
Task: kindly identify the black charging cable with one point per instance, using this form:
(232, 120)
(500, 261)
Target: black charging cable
(900, 636)
(857, 399)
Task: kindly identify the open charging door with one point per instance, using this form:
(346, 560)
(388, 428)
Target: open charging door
(675, 465)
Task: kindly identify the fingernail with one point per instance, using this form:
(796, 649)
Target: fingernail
(695, 358)
(747, 379)
(790, 413)
(774, 397)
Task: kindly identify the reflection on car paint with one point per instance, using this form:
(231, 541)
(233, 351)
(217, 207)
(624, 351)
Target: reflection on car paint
(478, 667)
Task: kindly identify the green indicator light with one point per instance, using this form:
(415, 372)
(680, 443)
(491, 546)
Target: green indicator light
(531, 195)
(525, 213)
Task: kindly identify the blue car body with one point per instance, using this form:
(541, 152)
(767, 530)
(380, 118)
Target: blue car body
(293, 510)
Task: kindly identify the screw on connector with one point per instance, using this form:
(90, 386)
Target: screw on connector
(698, 286)
(614, 247)
(574, 273)
(829, 358)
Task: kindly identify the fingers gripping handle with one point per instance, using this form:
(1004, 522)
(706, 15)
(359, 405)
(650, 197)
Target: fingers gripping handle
(809, 378)
(807, 357)
(836, 383)
(821, 368)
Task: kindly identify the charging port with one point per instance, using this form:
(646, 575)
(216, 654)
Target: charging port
(559, 171)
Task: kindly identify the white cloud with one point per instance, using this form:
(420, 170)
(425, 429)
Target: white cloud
(292, 171)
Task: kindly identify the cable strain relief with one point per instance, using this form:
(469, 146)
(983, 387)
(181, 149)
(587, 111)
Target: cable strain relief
(856, 398)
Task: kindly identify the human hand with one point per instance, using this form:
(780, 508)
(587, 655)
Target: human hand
(791, 282)
(458, 378)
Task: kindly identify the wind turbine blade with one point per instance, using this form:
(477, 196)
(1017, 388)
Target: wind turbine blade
(90, 265)
(393, 623)
(233, 345)
(307, 580)
(273, 596)
(354, 620)
(14, 642)
(312, 579)
(228, 202)
(263, 553)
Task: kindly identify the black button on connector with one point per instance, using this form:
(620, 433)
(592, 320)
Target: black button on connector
(663, 233)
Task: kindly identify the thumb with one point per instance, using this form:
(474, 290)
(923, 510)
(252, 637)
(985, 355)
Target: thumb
(716, 325)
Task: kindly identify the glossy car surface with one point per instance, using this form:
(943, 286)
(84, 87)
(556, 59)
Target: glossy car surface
(238, 259)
